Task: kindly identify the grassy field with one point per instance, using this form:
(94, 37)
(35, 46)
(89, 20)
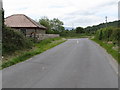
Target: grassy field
(38, 48)
(109, 48)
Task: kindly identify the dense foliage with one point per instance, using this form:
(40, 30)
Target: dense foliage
(0, 18)
(94, 28)
(1, 26)
(13, 40)
(80, 30)
(109, 34)
(54, 26)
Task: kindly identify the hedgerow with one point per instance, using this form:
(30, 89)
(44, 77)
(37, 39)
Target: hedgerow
(109, 34)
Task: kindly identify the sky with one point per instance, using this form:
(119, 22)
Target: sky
(73, 13)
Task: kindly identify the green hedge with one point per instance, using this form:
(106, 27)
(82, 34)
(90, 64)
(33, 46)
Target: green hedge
(108, 34)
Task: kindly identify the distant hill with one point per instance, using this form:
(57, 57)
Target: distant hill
(69, 28)
(103, 25)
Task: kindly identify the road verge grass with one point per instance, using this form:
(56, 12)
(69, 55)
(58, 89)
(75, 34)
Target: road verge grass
(109, 49)
(38, 48)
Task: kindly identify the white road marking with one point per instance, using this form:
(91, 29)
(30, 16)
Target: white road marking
(77, 41)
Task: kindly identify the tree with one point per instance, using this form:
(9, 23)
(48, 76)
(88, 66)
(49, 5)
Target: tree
(79, 30)
(46, 22)
(57, 25)
(53, 26)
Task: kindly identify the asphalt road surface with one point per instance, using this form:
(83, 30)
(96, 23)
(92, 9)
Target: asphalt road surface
(77, 63)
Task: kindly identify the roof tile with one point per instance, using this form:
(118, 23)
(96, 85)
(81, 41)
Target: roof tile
(21, 20)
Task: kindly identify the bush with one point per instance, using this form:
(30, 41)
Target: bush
(14, 40)
(108, 34)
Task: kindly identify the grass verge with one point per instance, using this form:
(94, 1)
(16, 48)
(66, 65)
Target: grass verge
(109, 49)
(38, 48)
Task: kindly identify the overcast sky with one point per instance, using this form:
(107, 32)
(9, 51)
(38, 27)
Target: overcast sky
(72, 12)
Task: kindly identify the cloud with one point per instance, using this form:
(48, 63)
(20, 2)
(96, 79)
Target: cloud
(93, 15)
(83, 20)
(77, 12)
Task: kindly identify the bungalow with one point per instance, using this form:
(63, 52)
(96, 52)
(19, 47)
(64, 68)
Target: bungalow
(24, 24)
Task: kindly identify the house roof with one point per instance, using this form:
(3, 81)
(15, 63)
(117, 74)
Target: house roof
(21, 21)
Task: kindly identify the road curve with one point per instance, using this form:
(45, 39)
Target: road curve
(77, 63)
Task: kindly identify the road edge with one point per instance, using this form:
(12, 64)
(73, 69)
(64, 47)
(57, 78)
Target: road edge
(112, 61)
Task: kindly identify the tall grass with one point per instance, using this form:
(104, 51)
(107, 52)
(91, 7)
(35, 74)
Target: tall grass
(39, 48)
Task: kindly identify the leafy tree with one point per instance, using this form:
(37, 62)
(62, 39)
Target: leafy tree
(53, 26)
(57, 25)
(79, 30)
(46, 22)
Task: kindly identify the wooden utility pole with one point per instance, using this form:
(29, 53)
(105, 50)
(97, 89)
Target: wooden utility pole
(106, 20)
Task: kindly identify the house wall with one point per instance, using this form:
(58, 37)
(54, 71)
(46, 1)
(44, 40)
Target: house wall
(40, 34)
(29, 31)
(38, 31)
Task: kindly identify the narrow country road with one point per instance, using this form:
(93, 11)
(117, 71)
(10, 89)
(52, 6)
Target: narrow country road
(77, 63)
